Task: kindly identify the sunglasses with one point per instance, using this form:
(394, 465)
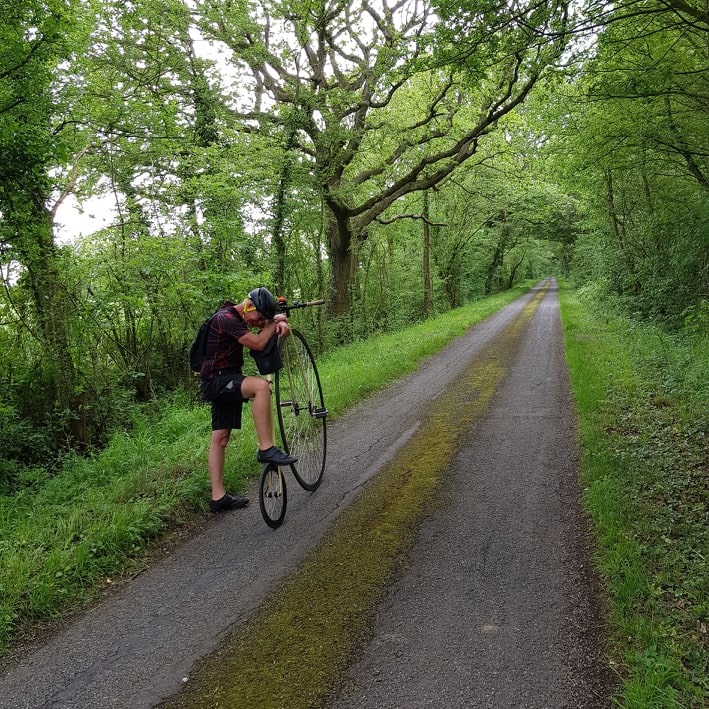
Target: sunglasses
(249, 307)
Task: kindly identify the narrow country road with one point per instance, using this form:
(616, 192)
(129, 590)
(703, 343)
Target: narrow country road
(497, 605)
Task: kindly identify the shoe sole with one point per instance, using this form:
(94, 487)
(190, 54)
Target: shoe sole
(277, 462)
(231, 507)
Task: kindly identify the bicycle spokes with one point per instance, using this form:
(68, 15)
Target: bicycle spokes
(301, 410)
(273, 497)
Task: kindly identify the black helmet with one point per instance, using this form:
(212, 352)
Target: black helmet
(264, 301)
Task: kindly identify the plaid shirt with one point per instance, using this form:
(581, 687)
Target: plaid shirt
(224, 353)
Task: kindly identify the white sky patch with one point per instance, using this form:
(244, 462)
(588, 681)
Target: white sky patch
(74, 221)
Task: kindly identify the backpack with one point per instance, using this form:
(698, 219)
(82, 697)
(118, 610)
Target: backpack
(198, 349)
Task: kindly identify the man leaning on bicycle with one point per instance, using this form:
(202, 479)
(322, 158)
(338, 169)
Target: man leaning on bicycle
(226, 388)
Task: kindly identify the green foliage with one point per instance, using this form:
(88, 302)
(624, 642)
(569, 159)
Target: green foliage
(628, 137)
(643, 403)
(22, 445)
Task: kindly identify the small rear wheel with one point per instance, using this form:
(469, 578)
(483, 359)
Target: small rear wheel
(301, 410)
(273, 497)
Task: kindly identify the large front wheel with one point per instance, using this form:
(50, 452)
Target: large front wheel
(301, 410)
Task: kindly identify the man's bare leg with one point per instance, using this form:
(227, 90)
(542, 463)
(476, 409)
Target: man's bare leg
(215, 461)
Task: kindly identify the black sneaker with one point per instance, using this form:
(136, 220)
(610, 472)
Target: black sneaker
(228, 502)
(276, 456)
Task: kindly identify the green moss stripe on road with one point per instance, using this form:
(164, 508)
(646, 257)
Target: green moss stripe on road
(295, 648)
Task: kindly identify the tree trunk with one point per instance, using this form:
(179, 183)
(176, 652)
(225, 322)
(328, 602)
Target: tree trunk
(53, 309)
(493, 267)
(618, 227)
(513, 273)
(279, 213)
(427, 286)
(451, 282)
(342, 265)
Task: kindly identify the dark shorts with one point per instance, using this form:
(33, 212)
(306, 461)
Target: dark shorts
(223, 392)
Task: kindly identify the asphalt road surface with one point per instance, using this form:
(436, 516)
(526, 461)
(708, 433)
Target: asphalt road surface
(497, 607)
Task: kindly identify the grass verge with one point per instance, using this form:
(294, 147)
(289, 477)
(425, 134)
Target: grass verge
(643, 399)
(64, 539)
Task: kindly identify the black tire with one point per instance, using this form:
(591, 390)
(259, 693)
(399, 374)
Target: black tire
(301, 411)
(273, 496)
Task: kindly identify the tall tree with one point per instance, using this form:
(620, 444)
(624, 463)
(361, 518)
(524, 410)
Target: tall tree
(36, 144)
(380, 112)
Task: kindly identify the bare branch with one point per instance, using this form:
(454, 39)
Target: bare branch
(398, 217)
(443, 162)
(74, 176)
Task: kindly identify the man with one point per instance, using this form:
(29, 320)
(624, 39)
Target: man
(226, 388)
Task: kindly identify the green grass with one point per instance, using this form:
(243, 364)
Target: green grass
(643, 399)
(64, 539)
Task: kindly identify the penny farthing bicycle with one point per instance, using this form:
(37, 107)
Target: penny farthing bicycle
(302, 416)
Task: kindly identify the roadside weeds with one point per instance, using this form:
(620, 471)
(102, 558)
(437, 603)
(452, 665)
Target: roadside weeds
(644, 462)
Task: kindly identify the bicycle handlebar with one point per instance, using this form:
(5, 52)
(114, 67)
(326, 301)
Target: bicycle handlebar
(284, 307)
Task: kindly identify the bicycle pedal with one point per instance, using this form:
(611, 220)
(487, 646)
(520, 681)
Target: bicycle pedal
(319, 413)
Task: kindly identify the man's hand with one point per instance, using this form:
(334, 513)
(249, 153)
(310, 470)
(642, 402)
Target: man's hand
(282, 327)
